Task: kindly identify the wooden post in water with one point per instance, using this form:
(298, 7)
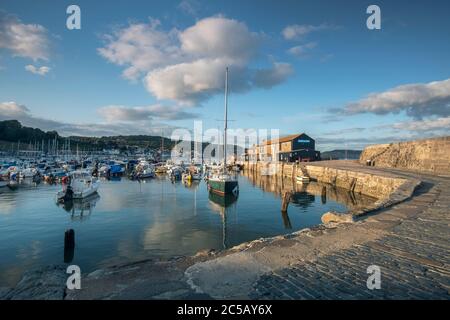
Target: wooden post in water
(69, 245)
(285, 201)
(286, 220)
(324, 195)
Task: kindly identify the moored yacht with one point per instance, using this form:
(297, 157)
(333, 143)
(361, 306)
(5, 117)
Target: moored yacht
(223, 183)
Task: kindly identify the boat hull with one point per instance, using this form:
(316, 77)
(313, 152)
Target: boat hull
(223, 188)
(81, 194)
(223, 200)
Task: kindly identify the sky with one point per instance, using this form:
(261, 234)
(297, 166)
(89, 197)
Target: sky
(136, 67)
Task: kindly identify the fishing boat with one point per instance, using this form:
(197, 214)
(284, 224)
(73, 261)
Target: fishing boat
(80, 186)
(223, 183)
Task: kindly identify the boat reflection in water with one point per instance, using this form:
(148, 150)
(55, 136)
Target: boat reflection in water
(223, 204)
(80, 208)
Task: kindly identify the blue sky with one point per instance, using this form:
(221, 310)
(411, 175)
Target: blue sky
(297, 66)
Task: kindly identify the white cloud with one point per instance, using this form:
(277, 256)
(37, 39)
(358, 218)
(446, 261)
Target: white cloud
(14, 111)
(218, 37)
(267, 78)
(188, 66)
(24, 40)
(11, 109)
(190, 83)
(437, 124)
(131, 114)
(302, 50)
(417, 100)
(296, 31)
(190, 7)
(42, 71)
(141, 47)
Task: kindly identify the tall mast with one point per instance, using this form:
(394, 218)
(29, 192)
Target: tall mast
(225, 124)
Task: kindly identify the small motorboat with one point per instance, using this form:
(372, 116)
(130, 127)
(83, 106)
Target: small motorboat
(116, 170)
(146, 173)
(104, 170)
(28, 173)
(144, 170)
(192, 173)
(81, 185)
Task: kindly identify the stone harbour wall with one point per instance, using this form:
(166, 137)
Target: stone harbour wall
(375, 186)
(429, 155)
(387, 189)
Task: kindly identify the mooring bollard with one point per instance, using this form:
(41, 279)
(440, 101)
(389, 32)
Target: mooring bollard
(285, 201)
(69, 245)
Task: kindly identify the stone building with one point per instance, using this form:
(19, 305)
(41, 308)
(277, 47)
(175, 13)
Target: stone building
(292, 148)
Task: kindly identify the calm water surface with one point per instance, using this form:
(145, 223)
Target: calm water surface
(132, 220)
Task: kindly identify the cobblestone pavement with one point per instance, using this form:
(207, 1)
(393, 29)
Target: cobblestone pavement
(414, 256)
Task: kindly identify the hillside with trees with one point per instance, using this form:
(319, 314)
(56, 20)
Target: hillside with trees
(12, 133)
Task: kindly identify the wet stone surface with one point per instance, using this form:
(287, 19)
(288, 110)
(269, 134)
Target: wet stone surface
(414, 258)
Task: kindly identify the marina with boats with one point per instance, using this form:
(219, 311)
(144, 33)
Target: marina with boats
(129, 219)
(127, 207)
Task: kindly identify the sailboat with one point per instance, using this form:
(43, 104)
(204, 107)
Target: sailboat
(223, 183)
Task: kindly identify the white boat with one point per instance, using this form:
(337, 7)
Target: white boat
(103, 171)
(146, 173)
(28, 173)
(144, 170)
(81, 186)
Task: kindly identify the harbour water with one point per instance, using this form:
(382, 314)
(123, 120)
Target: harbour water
(131, 220)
